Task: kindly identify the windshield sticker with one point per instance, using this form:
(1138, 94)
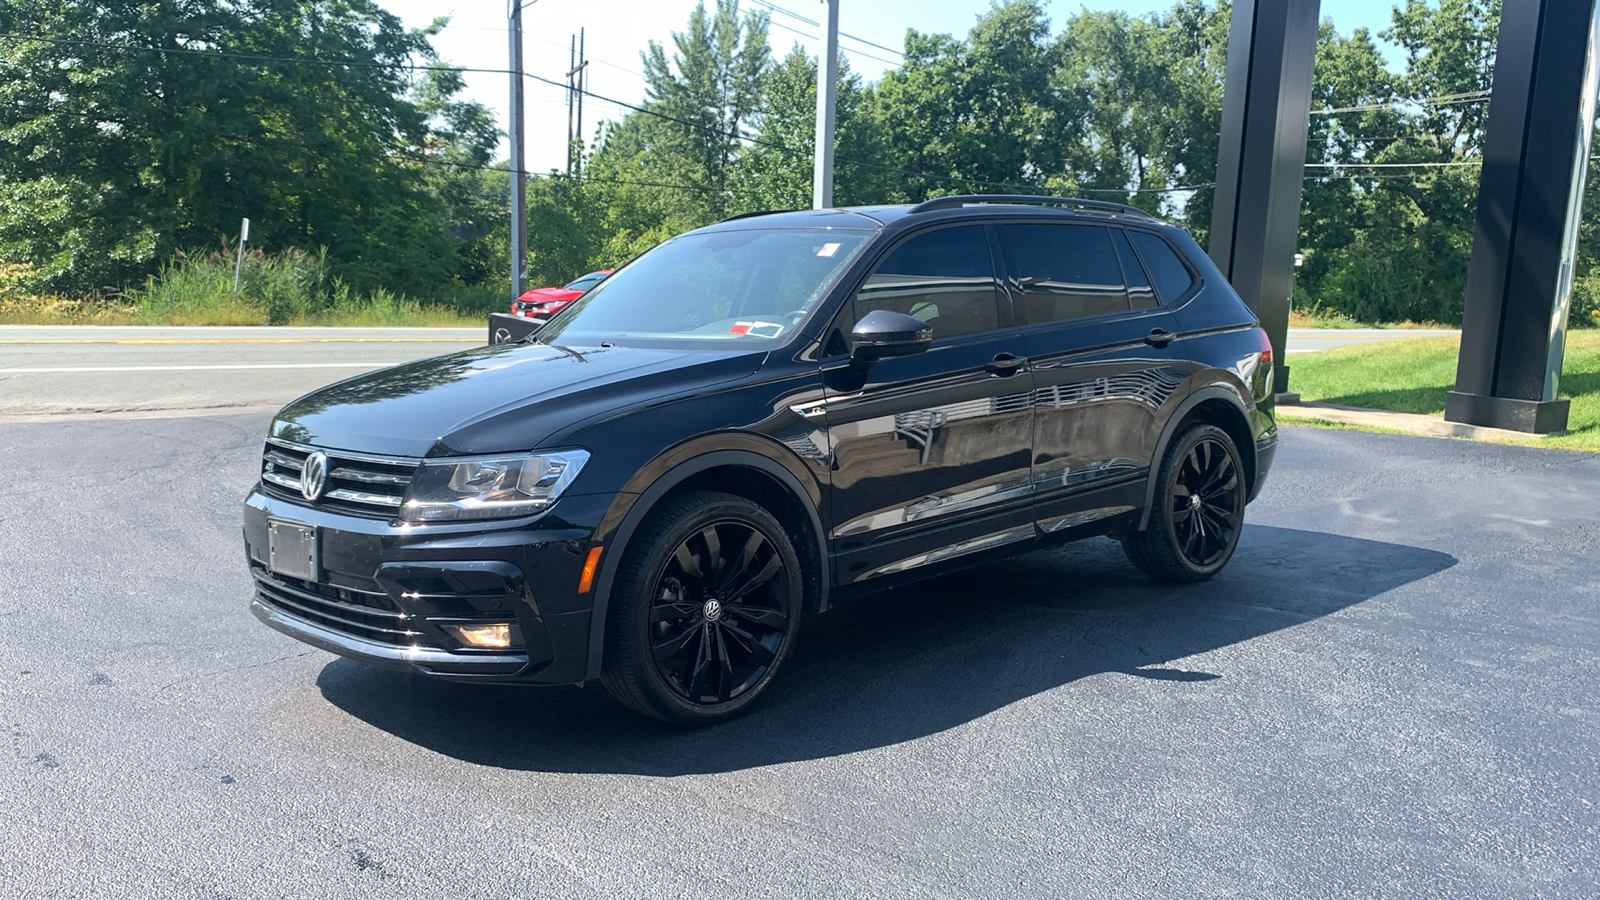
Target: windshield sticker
(828, 249)
(757, 329)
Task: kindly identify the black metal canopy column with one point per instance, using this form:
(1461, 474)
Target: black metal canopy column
(1266, 102)
(1519, 283)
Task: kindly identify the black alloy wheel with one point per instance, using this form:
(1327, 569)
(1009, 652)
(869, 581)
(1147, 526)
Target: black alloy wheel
(706, 608)
(1199, 509)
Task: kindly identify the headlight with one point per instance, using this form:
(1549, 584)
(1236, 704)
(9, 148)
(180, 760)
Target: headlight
(495, 487)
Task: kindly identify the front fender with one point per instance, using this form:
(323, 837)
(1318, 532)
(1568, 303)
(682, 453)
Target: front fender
(652, 482)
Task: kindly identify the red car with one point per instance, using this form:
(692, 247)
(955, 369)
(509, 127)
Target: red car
(542, 303)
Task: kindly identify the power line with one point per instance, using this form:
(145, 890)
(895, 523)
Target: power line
(1363, 176)
(1411, 165)
(1179, 189)
(815, 24)
(1440, 100)
(887, 62)
(710, 129)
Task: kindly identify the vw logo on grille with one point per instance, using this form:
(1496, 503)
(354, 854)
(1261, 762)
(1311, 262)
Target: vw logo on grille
(314, 475)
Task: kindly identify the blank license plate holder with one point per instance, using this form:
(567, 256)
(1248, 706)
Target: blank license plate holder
(292, 550)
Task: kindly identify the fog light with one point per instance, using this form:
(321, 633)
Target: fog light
(489, 636)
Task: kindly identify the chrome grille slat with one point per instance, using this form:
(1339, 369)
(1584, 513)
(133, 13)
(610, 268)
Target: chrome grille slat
(268, 583)
(281, 480)
(369, 477)
(401, 461)
(363, 497)
(286, 461)
(362, 484)
(275, 597)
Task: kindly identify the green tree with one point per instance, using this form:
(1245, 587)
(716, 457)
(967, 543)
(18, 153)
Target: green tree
(1393, 243)
(970, 115)
(161, 125)
(779, 168)
(1349, 76)
(708, 95)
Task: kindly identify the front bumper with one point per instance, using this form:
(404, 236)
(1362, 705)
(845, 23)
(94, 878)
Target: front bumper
(386, 593)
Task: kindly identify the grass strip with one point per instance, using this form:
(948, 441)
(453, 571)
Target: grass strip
(1413, 376)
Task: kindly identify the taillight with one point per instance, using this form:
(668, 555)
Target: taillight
(1266, 345)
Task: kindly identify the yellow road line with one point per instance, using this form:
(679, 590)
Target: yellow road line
(247, 341)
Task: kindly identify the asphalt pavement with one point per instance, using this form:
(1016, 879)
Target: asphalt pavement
(48, 370)
(1391, 692)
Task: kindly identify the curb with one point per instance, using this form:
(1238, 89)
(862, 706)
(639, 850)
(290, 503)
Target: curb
(1411, 423)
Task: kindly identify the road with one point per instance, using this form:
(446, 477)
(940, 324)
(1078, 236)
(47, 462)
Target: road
(1390, 693)
(76, 370)
(52, 370)
(1310, 340)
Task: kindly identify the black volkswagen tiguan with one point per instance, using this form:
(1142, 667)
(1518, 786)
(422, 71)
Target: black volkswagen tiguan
(770, 416)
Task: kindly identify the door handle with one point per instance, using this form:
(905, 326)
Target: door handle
(1004, 364)
(1159, 338)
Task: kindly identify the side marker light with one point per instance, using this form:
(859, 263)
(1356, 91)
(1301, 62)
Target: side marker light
(591, 565)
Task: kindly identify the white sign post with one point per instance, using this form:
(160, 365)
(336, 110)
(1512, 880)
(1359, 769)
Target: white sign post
(238, 265)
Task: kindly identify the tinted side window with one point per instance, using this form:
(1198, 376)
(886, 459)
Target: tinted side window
(1140, 294)
(1066, 271)
(943, 277)
(1171, 276)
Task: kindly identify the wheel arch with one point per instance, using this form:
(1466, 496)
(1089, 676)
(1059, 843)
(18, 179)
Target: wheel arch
(1214, 404)
(743, 471)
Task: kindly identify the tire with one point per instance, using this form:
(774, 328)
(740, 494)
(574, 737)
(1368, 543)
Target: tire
(1198, 509)
(705, 610)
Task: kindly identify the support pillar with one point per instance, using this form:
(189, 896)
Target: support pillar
(827, 85)
(1266, 102)
(1530, 194)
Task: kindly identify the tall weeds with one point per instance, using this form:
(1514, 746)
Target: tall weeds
(290, 287)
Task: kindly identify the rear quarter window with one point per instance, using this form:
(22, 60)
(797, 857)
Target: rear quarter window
(1172, 278)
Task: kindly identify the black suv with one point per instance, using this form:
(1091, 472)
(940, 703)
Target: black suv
(768, 416)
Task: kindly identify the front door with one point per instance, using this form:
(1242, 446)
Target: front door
(931, 451)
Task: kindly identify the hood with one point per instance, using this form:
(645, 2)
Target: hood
(505, 398)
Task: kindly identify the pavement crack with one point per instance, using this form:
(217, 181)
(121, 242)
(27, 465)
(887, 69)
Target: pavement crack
(231, 669)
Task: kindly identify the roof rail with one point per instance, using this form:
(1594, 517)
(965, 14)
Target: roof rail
(752, 214)
(961, 200)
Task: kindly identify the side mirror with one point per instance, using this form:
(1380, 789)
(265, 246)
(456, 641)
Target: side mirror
(881, 334)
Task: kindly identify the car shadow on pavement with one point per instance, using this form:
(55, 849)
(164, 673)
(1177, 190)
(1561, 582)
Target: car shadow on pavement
(909, 662)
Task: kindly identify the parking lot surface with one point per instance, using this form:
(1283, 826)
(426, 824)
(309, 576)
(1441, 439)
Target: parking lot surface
(1391, 692)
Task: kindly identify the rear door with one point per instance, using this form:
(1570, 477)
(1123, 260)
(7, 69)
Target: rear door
(1104, 362)
(930, 451)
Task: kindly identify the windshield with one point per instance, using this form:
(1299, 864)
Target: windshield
(743, 288)
(586, 282)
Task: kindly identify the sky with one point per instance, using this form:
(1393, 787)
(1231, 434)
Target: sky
(615, 31)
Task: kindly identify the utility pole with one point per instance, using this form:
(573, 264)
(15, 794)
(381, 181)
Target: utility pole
(576, 75)
(572, 98)
(519, 176)
(827, 80)
(583, 79)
